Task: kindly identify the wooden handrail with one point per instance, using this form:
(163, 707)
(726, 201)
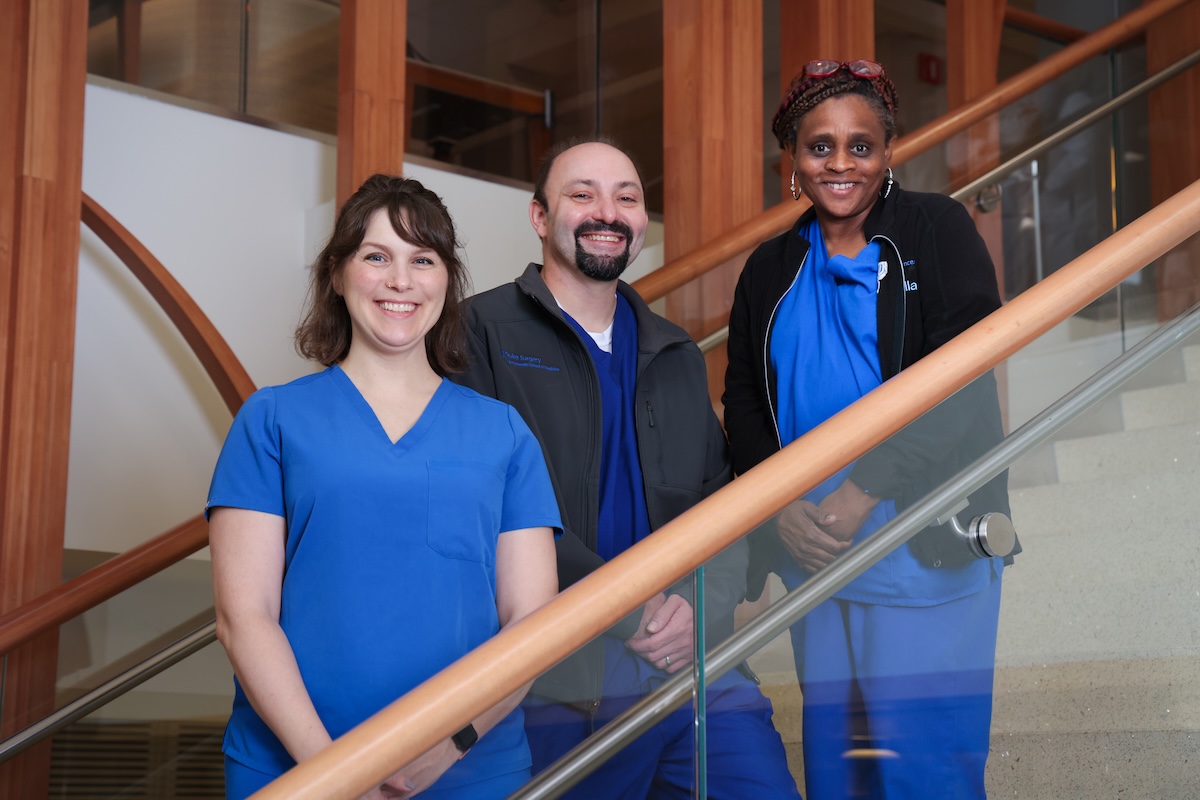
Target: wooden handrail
(233, 382)
(779, 218)
(101, 583)
(1042, 26)
(444, 703)
(215, 354)
(526, 101)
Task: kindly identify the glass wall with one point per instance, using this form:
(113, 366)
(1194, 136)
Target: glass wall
(490, 96)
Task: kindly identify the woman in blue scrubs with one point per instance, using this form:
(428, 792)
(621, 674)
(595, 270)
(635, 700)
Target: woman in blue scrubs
(897, 667)
(373, 522)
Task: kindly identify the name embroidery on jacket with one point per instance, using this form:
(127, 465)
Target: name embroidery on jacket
(534, 362)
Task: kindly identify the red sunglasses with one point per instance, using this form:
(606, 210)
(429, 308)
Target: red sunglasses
(859, 69)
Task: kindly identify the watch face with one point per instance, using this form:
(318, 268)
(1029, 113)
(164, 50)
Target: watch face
(465, 739)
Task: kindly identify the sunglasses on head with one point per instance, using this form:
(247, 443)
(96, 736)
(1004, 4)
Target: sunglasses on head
(859, 69)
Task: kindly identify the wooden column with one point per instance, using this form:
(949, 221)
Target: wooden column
(973, 30)
(1174, 112)
(129, 40)
(43, 48)
(372, 117)
(712, 154)
(821, 29)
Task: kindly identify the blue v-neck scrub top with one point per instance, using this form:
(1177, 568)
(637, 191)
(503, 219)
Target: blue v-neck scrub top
(390, 562)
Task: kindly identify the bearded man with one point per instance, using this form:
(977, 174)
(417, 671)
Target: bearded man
(618, 398)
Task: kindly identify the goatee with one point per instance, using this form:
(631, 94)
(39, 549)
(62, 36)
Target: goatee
(602, 268)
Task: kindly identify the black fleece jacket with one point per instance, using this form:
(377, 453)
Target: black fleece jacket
(526, 354)
(939, 281)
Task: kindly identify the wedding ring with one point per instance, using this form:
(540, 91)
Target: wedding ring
(666, 661)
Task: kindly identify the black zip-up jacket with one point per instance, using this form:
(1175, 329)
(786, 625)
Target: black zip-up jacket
(525, 353)
(938, 280)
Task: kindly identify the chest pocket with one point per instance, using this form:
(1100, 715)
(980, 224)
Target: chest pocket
(465, 502)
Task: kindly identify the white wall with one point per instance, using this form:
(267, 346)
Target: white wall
(235, 212)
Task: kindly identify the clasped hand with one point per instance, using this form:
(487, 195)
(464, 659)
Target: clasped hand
(817, 534)
(418, 775)
(664, 637)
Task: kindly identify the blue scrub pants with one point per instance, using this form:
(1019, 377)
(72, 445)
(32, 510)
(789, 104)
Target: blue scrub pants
(746, 758)
(242, 781)
(898, 700)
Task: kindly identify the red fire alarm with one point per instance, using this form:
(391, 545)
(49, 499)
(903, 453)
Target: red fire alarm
(929, 68)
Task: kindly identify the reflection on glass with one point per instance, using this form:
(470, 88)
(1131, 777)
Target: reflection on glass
(120, 633)
(163, 739)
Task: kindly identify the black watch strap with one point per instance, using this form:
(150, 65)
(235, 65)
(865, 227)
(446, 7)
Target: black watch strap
(465, 739)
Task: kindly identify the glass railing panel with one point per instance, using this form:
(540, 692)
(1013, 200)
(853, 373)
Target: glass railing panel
(122, 632)
(1099, 643)
(1097, 639)
(162, 739)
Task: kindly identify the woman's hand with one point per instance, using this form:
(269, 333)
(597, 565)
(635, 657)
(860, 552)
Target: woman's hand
(847, 508)
(802, 530)
(419, 775)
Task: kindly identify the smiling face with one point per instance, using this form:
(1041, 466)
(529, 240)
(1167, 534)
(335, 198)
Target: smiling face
(595, 217)
(394, 291)
(841, 155)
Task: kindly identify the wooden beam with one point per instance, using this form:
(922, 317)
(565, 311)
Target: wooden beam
(129, 39)
(973, 32)
(372, 117)
(1174, 118)
(821, 29)
(44, 47)
(712, 155)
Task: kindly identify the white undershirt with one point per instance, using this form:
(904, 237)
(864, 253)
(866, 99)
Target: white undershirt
(603, 339)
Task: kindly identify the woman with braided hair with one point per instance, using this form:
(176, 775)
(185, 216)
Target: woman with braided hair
(897, 666)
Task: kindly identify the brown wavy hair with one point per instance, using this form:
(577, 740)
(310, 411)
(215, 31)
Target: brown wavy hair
(806, 93)
(419, 217)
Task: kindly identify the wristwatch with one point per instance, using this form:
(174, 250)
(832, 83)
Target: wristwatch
(465, 739)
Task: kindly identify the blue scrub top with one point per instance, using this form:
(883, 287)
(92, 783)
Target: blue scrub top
(825, 353)
(390, 554)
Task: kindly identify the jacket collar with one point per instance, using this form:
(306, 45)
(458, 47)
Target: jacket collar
(654, 333)
(879, 219)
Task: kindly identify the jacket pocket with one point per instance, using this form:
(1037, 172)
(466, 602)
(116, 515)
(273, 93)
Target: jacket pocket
(465, 500)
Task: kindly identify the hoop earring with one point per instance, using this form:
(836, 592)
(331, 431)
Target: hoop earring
(888, 189)
(795, 192)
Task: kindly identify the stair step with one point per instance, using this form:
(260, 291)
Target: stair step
(1142, 452)
(1161, 405)
(1109, 570)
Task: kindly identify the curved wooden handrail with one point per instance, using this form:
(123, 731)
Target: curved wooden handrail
(777, 219)
(222, 366)
(443, 704)
(233, 382)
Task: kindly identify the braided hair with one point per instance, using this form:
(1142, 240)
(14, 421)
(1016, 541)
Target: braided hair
(807, 92)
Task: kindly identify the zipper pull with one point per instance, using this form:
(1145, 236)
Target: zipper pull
(650, 413)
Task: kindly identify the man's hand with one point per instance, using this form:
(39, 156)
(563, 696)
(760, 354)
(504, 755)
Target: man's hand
(664, 639)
